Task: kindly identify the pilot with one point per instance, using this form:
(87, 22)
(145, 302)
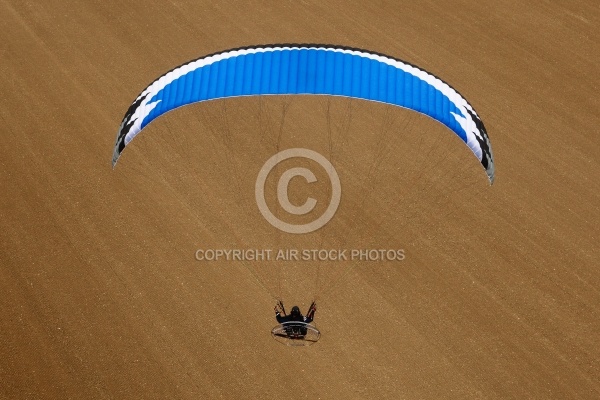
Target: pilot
(287, 321)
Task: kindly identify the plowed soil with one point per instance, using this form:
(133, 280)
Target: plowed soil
(101, 295)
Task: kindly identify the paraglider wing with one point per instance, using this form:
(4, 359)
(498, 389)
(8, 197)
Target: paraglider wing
(316, 70)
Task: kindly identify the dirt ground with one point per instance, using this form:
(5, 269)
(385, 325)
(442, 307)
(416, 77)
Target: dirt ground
(102, 296)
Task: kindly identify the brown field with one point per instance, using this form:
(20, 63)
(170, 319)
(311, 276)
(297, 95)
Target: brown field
(101, 295)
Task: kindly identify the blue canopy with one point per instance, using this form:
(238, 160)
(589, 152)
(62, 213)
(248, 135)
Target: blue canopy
(315, 70)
